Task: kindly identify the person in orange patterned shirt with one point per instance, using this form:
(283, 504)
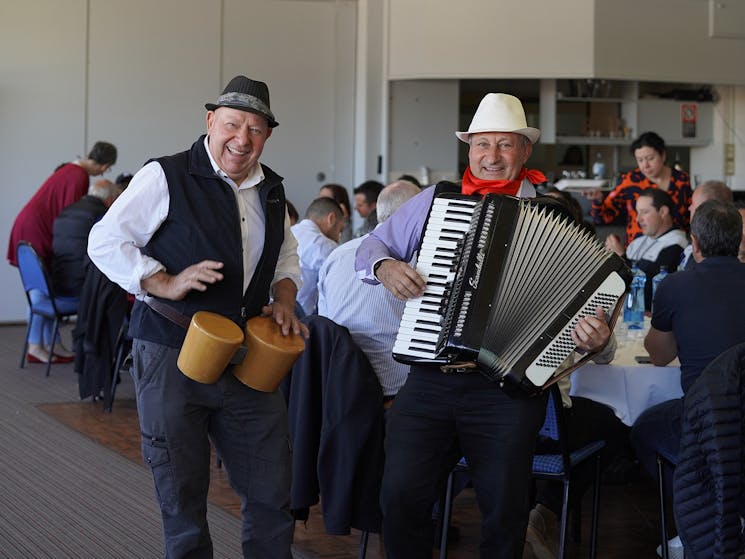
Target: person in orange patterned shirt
(652, 172)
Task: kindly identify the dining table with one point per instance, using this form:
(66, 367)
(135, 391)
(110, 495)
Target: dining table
(628, 384)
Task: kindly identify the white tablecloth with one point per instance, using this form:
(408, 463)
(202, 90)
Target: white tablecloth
(626, 386)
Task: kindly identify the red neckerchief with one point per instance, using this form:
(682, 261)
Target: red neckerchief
(473, 185)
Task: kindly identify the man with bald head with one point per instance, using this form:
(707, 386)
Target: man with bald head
(437, 418)
(708, 190)
(317, 236)
(70, 236)
(370, 312)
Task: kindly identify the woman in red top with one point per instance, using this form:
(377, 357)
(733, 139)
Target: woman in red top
(67, 185)
(652, 172)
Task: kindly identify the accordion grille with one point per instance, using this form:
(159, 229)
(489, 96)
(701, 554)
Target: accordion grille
(547, 260)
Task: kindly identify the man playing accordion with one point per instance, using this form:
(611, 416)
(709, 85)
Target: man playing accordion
(439, 417)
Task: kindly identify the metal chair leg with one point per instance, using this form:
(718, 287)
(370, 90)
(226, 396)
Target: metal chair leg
(445, 513)
(114, 376)
(55, 335)
(25, 342)
(563, 523)
(595, 510)
(364, 535)
(663, 521)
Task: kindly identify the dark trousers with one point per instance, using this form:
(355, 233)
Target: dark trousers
(178, 418)
(587, 421)
(658, 429)
(437, 418)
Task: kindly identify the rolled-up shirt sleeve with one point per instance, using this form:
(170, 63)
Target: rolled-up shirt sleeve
(115, 242)
(397, 237)
(288, 264)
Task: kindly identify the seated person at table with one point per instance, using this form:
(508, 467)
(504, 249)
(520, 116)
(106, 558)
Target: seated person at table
(365, 202)
(340, 194)
(661, 244)
(370, 312)
(70, 236)
(317, 235)
(697, 315)
(709, 190)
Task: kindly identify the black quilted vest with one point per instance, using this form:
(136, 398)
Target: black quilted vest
(203, 222)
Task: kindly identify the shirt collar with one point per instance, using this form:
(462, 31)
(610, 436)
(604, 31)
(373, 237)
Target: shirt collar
(255, 175)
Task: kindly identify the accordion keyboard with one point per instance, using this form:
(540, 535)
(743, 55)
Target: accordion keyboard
(421, 323)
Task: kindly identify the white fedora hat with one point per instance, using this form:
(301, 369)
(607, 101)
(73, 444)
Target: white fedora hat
(499, 112)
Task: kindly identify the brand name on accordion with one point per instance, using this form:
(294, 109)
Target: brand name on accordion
(473, 281)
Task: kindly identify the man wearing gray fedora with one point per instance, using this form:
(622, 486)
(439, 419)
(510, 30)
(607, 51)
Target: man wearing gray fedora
(438, 418)
(207, 230)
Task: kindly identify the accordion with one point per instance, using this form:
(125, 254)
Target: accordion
(507, 280)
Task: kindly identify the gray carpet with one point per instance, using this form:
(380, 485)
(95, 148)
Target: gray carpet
(61, 494)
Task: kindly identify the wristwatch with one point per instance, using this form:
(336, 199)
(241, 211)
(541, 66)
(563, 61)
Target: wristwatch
(376, 266)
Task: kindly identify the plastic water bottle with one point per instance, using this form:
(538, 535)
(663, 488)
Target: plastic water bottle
(657, 279)
(633, 308)
(598, 168)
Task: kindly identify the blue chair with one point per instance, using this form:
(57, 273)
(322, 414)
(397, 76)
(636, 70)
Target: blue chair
(558, 467)
(554, 467)
(51, 307)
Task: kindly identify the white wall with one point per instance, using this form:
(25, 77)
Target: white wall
(659, 40)
(666, 40)
(42, 110)
(707, 163)
(152, 68)
(137, 73)
(490, 38)
(423, 117)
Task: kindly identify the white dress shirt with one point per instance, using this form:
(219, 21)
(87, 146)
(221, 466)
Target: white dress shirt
(115, 241)
(312, 247)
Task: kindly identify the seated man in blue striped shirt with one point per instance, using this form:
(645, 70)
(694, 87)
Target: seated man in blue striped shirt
(370, 312)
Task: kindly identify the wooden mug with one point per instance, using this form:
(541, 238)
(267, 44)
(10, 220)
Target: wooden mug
(210, 343)
(270, 354)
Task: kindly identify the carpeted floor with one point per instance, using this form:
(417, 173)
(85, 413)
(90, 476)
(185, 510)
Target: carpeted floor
(628, 519)
(63, 495)
(120, 432)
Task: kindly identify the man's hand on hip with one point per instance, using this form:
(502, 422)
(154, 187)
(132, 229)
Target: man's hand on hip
(197, 276)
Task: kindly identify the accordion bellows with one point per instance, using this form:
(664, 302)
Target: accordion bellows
(507, 281)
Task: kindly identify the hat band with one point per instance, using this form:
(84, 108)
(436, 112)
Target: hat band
(245, 100)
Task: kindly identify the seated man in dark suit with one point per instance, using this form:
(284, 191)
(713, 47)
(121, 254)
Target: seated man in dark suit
(70, 236)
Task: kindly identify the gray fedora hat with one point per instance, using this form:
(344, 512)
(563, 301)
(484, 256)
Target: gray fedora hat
(245, 94)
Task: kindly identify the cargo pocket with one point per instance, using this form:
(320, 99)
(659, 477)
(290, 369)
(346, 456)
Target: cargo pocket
(147, 362)
(155, 454)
